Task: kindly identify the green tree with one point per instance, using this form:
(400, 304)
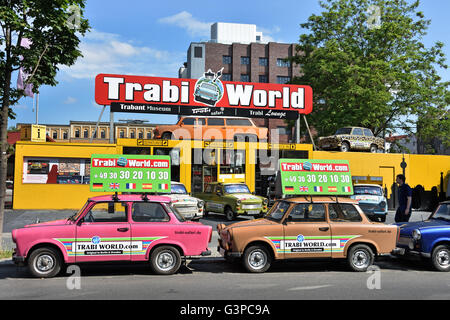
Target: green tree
(368, 67)
(52, 28)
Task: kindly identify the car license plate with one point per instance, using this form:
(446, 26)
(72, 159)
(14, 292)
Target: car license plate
(253, 212)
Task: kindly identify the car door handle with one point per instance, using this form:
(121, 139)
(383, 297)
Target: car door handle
(324, 228)
(122, 229)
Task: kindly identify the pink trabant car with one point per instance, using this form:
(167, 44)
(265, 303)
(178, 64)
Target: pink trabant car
(113, 228)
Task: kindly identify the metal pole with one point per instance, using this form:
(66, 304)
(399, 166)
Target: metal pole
(297, 129)
(111, 126)
(98, 121)
(37, 108)
(309, 131)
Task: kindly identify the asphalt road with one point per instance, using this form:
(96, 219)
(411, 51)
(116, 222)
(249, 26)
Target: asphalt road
(214, 279)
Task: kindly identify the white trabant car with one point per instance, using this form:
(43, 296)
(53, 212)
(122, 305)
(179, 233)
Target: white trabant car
(371, 200)
(189, 207)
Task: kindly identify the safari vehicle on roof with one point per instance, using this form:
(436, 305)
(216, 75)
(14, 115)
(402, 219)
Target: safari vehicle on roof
(308, 227)
(352, 138)
(207, 128)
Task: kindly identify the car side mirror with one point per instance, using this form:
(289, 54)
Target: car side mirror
(80, 222)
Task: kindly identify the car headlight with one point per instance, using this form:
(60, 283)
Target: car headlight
(382, 204)
(200, 204)
(416, 234)
(238, 202)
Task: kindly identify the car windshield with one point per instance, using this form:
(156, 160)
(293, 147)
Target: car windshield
(442, 212)
(75, 216)
(278, 210)
(177, 189)
(236, 188)
(343, 131)
(208, 86)
(176, 213)
(369, 190)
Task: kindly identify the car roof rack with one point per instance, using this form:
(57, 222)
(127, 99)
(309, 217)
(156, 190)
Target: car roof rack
(115, 197)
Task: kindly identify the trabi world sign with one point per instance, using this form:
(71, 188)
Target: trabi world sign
(207, 95)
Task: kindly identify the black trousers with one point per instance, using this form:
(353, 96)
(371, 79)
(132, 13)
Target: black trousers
(401, 217)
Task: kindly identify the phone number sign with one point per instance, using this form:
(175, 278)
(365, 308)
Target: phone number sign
(130, 173)
(315, 177)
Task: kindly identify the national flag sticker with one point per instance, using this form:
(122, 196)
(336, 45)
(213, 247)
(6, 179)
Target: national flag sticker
(131, 186)
(288, 188)
(318, 189)
(332, 189)
(147, 186)
(97, 186)
(164, 186)
(304, 189)
(347, 189)
(114, 185)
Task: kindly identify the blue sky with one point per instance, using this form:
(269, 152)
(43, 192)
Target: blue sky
(152, 37)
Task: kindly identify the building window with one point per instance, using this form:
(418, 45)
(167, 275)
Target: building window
(282, 79)
(258, 38)
(245, 60)
(132, 135)
(198, 52)
(141, 135)
(149, 135)
(226, 59)
(245, 78)
(283, 63)
(94, 134)
(65, 135)
(122, 134)
(55, 135)
(86, 133)
(226, 77)
(103, 134)
(263, 62)
(77, 133)
(263, 78)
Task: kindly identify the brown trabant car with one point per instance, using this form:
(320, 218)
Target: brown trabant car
(308, 227)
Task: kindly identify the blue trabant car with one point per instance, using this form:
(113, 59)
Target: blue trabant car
(429, 239)
(371, 200)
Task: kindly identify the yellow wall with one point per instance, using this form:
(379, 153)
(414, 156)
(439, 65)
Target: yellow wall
(53, 196)
(421, 169)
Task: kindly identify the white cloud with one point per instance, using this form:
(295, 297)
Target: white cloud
(70, 100)
(186, 21)
(108, 53)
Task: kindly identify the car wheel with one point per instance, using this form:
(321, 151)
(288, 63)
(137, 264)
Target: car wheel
(257, 259)
(229, 214)
(165, 260)
(167, 136)
(360, 257)
(345, 147)
(45, 262)
(440, 258)
(373, 148)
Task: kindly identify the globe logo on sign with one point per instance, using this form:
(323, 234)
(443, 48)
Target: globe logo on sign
(300, 238)
(96, 240)
(307, 166)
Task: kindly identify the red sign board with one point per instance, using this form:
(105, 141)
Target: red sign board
(129, 93)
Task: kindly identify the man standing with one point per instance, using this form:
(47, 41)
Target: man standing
(404, 200)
